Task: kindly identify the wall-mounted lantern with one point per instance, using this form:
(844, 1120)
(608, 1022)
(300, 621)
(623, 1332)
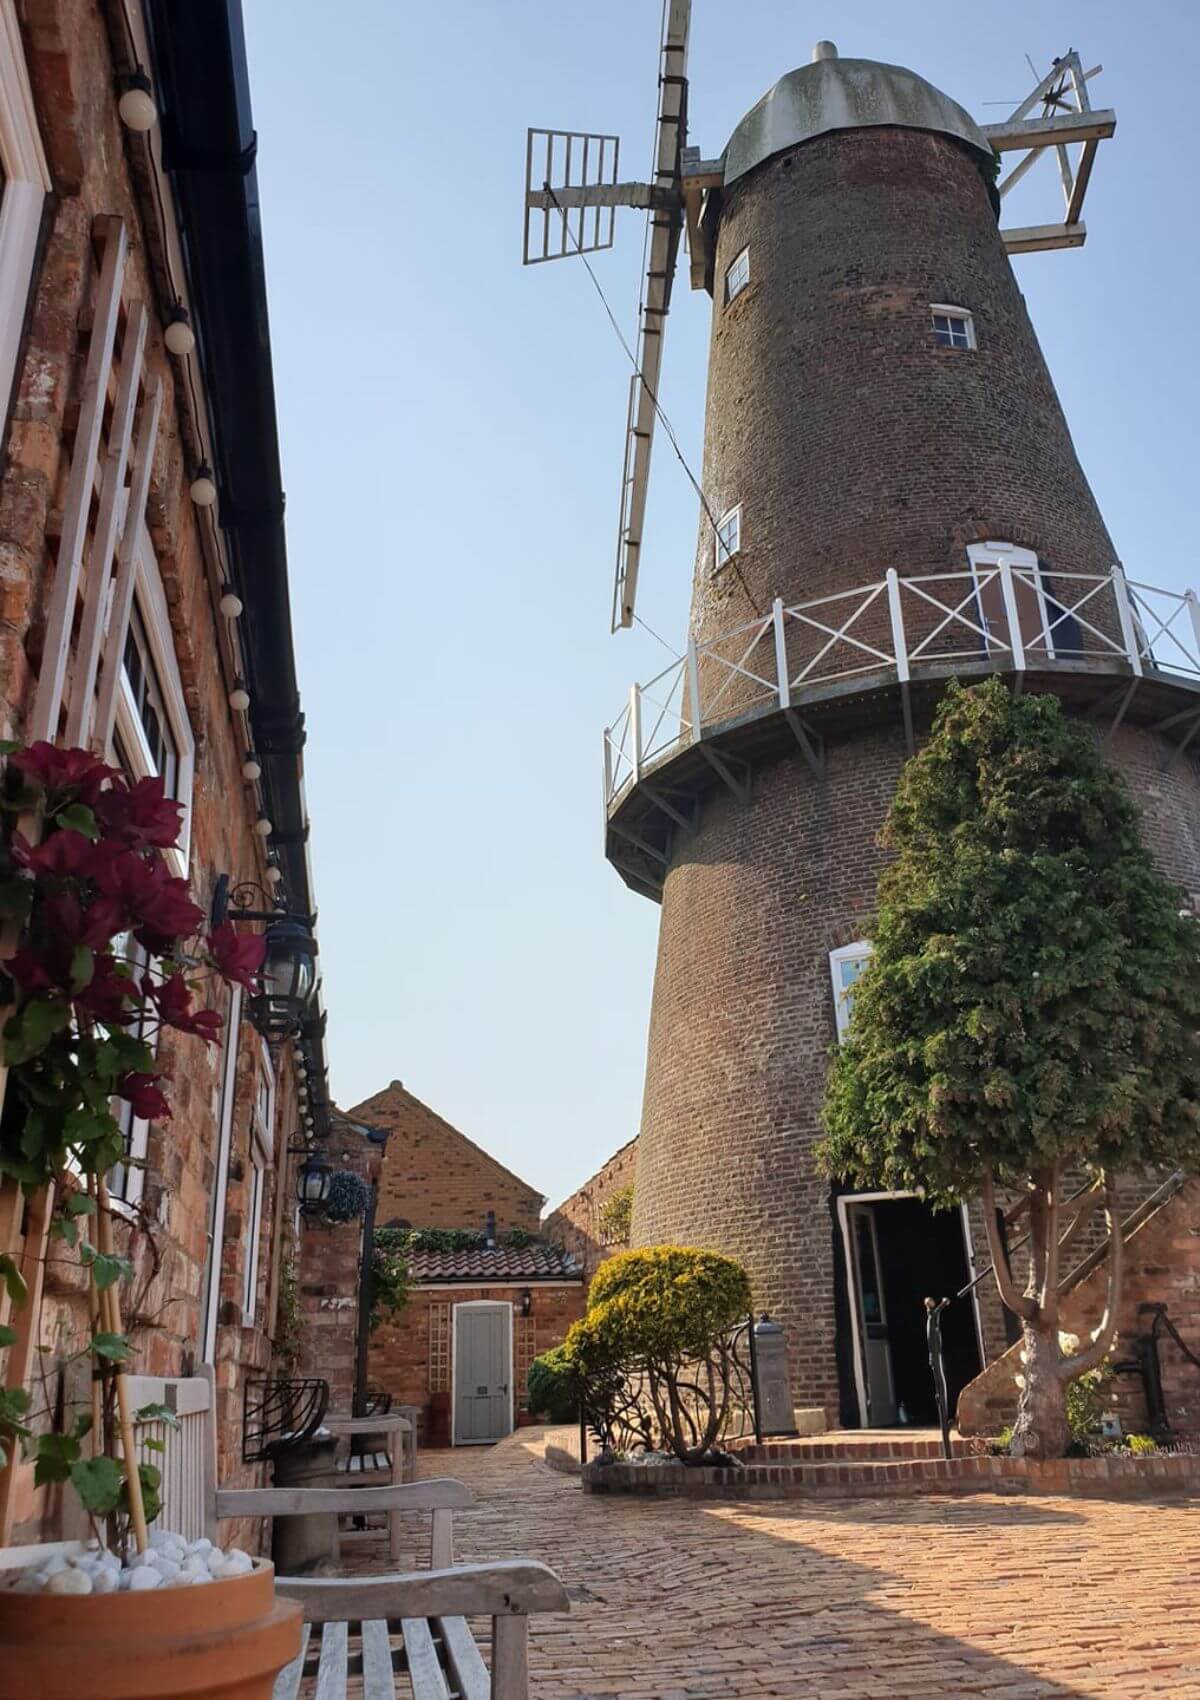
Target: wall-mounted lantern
(289, 972)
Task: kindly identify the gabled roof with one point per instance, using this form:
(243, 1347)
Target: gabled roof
(391, 1100)
(494, 1265)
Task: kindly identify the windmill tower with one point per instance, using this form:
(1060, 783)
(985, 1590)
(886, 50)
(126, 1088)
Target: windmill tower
(890, 498)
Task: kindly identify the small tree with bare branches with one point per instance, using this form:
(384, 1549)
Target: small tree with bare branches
(1031, 1009)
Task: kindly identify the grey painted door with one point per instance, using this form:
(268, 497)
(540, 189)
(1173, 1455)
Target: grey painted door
(481, 1374)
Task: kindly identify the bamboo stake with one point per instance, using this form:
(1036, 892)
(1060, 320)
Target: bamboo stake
(137, 1513)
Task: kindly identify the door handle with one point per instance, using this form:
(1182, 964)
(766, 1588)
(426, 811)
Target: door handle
(503, 1388)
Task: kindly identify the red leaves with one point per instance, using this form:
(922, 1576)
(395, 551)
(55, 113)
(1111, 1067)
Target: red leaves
(139, 815)
(151, 901)
(172, 998)
(76, 771)
(145, 1094)
(238, 956)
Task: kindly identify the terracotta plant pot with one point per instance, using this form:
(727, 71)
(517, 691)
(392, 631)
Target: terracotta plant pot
(224, 1641)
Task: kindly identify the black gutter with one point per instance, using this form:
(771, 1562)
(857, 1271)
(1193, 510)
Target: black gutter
(201, 83)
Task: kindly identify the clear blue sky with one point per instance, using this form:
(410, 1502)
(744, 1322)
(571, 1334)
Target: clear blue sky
(452, 428)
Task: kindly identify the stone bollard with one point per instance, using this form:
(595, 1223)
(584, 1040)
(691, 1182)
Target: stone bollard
(772, 1378)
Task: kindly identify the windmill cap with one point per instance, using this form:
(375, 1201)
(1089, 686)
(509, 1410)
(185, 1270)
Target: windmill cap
(843, 94)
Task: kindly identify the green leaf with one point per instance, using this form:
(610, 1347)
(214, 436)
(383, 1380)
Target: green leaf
(77, 817)
(153, 1445)
(115, 1347)
(8, 745)
(156, 1414)
(54, 1454)
(13, 1280)
(8, 1335)
(83, 967)
(81, 1204)
(62, 1228)
(97, 1481)
(32, 1029)
(106, 1271)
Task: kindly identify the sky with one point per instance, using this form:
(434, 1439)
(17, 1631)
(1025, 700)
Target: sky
(452, 427)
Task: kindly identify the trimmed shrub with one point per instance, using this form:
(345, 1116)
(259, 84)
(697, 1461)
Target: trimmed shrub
(554, 1387)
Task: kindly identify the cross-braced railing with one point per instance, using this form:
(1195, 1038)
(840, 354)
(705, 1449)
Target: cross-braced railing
(1016, 616)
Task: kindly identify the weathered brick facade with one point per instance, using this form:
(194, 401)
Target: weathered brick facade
(575, 1224)
(100, 173)
(435, 1177)
(854, 444)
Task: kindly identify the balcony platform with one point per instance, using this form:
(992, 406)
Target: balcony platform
(800, 677)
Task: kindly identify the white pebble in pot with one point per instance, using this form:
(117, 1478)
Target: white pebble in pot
(69, 1582)
(142, 1579)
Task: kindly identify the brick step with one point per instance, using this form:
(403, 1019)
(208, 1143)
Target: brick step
(830, 1449)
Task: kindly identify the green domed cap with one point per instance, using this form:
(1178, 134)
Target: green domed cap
(843, 94)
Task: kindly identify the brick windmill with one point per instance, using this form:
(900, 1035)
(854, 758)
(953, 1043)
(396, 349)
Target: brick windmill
(890, 498)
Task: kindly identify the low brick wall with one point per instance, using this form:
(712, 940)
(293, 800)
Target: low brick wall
(1104, 1478)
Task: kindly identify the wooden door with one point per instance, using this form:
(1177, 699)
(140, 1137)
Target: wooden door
(482, 1374)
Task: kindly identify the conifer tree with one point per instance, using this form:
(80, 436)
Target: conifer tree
(1030, 1012)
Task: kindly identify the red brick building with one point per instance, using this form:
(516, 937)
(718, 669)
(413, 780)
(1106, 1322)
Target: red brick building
(489, 1291)
(893, 498)
(144, 611)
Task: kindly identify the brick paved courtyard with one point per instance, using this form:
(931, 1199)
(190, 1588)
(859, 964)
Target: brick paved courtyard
(866, 1600)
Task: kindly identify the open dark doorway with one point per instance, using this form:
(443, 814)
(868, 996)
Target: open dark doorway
(899, 1252)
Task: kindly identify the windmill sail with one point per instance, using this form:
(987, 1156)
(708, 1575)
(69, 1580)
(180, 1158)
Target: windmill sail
(665, 225)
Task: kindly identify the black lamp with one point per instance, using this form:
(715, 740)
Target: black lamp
(313, 1178)
(289, 971)
(288, 975)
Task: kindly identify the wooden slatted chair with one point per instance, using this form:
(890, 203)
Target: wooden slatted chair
(403, 1635)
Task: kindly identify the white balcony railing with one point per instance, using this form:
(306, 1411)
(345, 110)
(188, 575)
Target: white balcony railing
(906, 627)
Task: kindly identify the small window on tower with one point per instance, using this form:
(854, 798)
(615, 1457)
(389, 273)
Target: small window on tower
(953, 327)
(737, 276)
(728, 539)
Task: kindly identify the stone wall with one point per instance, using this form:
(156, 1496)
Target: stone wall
(575, 1224)
(435, 1177)
(1162, 1266)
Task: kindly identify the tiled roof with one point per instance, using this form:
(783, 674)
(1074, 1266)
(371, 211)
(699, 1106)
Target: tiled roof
(499, 1264)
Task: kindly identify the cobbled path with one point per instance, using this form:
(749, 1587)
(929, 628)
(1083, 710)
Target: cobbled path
(1014, 1599)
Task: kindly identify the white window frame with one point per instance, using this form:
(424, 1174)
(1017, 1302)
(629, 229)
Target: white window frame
(262, 1121)
(860, 951)
(216, 1232)
(984, 556)
(734, 513)
(26, 185)
(737, 276)
(964, 318)
(151, 603)
(137, 1136)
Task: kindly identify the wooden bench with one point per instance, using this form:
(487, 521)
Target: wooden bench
(383, 1629)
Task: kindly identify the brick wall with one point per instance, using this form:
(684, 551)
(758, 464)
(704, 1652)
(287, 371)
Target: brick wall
(435, 1177)
(854, 444)
(72, 75)
(1162, 1266)
(412, 1356)
(330, 1266)
(575, 1224)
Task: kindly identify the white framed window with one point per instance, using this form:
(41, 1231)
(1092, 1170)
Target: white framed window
(24, 185)
(845, 965)
(727, 539)
(260, 1156)
(953, 327)
(737, 275)
(126, 1182)
(152, 733)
